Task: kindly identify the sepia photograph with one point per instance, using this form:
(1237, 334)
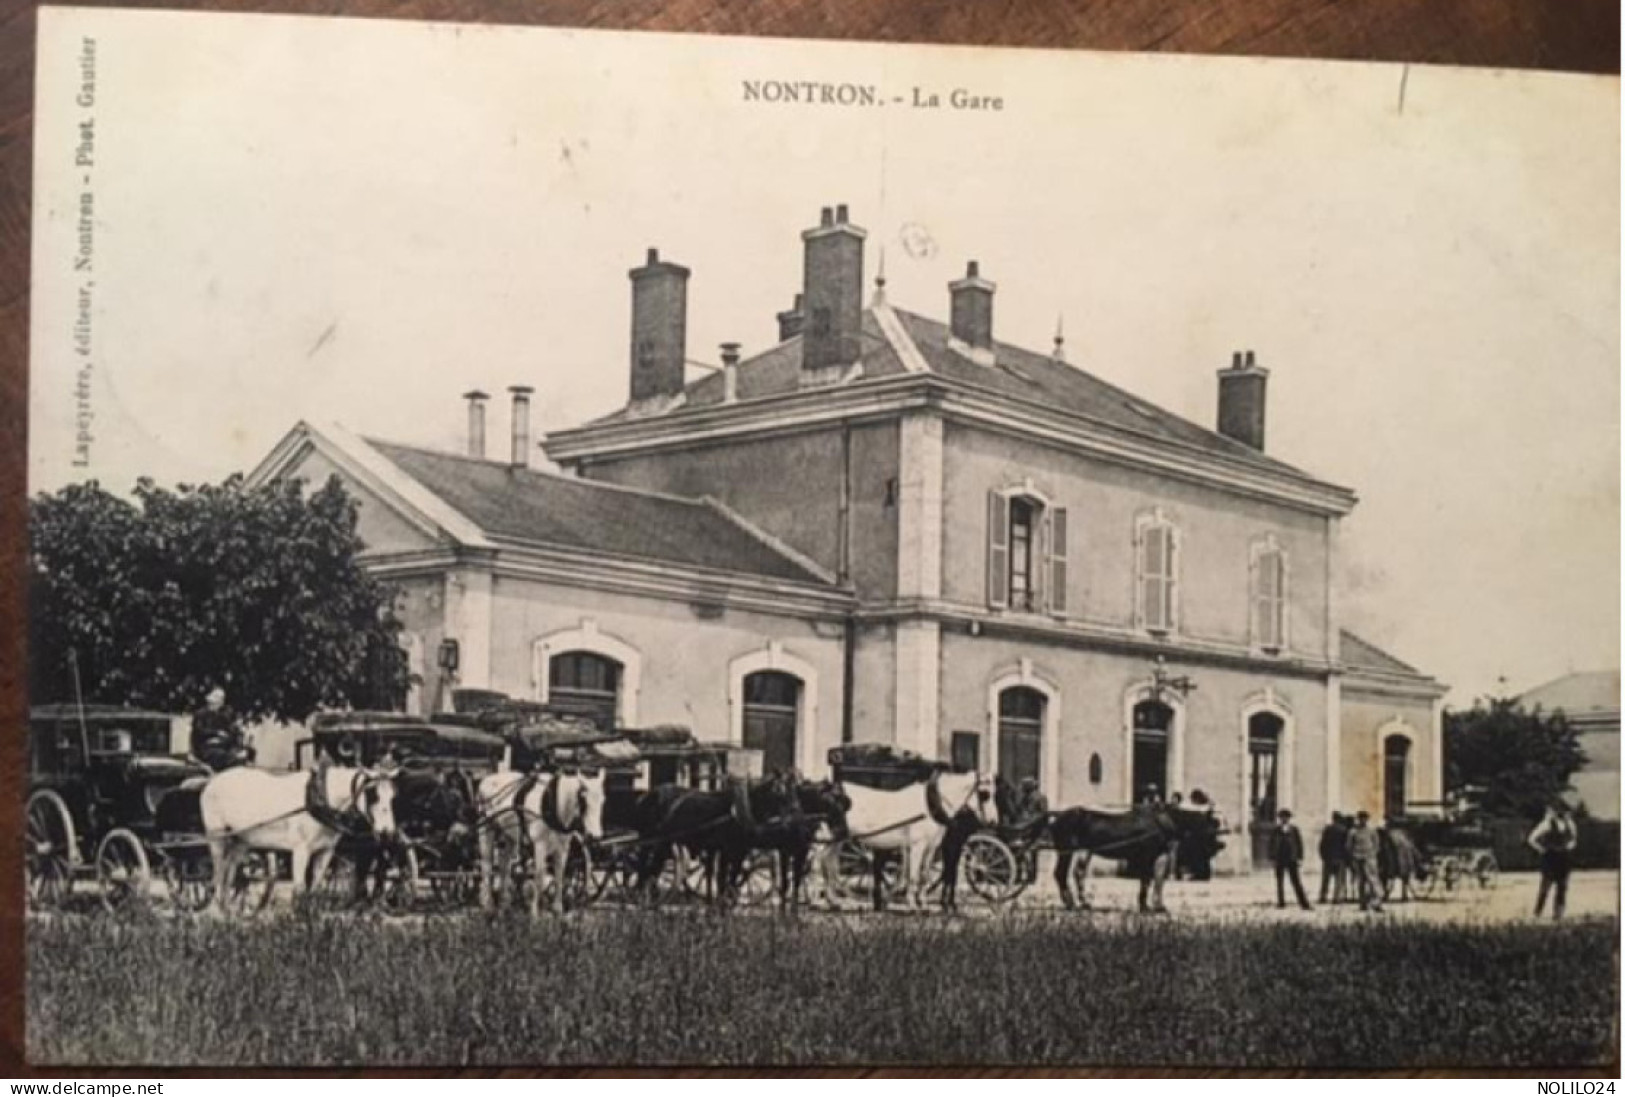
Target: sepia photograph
(591, 548)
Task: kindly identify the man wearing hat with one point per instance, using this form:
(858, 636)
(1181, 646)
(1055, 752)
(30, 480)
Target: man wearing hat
(1365, 849)
(217, 739)
(1286, 850)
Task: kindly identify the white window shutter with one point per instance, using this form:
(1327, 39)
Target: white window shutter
(1140, 577)
(1172, 560)
(998, 550)
(1057, 568)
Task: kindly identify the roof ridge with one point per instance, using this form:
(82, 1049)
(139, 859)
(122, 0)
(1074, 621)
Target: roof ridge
(772, 542)
(647, 493)
(1119, 390)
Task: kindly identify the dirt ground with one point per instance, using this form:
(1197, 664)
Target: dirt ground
(1591, 894)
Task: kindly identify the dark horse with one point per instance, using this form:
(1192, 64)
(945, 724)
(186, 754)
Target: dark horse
(721, 828)
(1146, 838)
(816, 804)
(431, 808)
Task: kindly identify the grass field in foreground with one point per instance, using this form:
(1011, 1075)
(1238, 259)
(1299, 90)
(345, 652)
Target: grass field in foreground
(625, 987)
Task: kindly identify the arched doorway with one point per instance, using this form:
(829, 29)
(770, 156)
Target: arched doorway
(1021, 733)
(1152, 746)
(1396, 764)
(1264, 734)
(772, 713)
(584, 683)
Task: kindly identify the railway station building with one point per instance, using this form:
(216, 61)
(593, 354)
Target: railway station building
(894, 528)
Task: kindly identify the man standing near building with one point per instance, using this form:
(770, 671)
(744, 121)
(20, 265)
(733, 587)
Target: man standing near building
(217, 740)
(1334, 839)
(1554, 838)
(1364, 851)
(1286, 850)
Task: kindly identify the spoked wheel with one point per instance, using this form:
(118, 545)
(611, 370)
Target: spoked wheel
(989, 868)
(123, 871)
(681, 879)
(454, 882)
(613, 873)
(759, 882)
(189, 876)
(50, 851)
(1486, 870)
(397, 892)
(854, 865)
(1452, 872)
(1427, 877)
(250, 879)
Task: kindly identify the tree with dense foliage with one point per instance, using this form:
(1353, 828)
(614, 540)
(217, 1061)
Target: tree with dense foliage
(255, 589)
(1518, 760)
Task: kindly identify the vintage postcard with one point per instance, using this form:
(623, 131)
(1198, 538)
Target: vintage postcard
(558, 547)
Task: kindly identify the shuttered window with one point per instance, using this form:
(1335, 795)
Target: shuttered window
(1158, 604)
(1269, 598)
(1057, 560)
(1026, 553)
(998, 550)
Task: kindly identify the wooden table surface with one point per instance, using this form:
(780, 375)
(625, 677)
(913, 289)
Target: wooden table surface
(1570, 35)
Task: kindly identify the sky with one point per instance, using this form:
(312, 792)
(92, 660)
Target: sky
(311, 218)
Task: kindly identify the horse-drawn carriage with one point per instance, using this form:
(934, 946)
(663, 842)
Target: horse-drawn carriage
(437, 764)
(987, 855)
(538, 744)
(1421, 853)
(110, 799)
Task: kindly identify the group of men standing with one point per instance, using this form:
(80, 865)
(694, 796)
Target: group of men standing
(1351, 850)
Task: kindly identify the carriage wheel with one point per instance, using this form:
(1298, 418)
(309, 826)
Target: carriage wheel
(123, 870)
(614, 872)
(189, 877)
(853, 869)
(50, 851)
(398, 891)
(453, 881)
(1452, 872)
(682, 877)
(760, 881)
(1486, 870)
(989, 867)
(250, 880)
(331, 885)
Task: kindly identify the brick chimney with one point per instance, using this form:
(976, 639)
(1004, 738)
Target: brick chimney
(730, 372)
(791, 320)
(659, 327)
(971, 314)
(1241, 400)
(476, 423)
(520, 456)
(832, 292)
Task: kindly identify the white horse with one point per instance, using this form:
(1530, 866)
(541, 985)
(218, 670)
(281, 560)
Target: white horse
(550, 811)
(255, 809)
(912, 820)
